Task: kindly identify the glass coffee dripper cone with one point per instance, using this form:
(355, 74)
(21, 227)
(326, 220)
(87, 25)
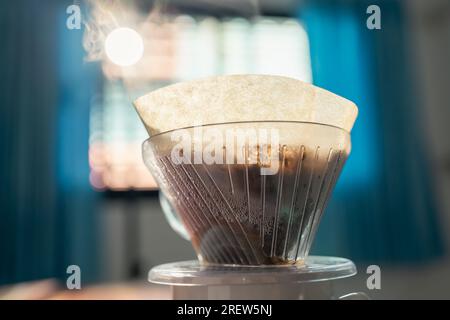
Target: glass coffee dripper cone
(258, 202)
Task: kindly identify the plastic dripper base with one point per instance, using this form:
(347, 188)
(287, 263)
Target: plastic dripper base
(312, 280)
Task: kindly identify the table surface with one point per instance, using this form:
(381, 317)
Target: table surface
(53, 290)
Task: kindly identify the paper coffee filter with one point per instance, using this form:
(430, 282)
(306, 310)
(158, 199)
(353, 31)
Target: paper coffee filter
(239, 98)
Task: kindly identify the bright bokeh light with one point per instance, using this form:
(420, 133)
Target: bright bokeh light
(124, 47)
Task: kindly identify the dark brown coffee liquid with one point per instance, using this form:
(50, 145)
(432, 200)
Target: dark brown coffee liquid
(236, 215)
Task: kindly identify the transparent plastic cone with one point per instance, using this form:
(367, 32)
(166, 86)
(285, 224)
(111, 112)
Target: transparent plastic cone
(237, 213)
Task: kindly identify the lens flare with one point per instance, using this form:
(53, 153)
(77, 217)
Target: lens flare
(124, 47)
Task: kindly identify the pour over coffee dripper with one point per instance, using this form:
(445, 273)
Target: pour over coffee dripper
(250, 202)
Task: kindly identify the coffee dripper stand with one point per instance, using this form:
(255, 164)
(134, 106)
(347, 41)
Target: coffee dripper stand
(189, 280)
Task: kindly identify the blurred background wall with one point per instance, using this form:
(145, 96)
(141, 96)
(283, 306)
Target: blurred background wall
(74, 190)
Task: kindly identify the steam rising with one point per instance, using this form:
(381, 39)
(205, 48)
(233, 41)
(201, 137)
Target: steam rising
(160, 24)
(107, 15)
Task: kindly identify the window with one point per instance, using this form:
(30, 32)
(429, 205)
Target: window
(181, 49)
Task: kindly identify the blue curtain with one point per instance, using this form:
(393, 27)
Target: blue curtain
(383, 207)
(79, 83)
(47, 207)
(28, 194)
